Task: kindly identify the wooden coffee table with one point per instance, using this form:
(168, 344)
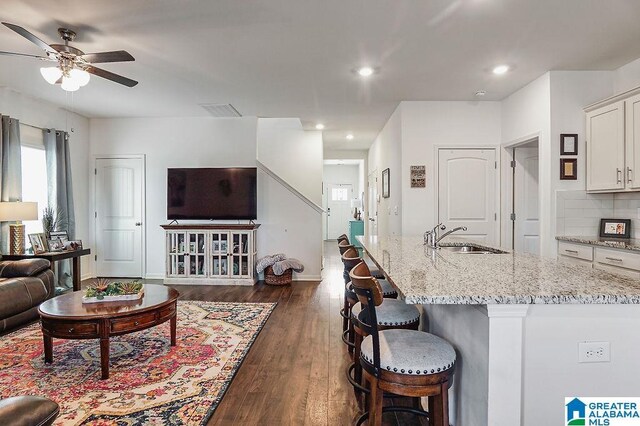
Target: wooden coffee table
(66, 317)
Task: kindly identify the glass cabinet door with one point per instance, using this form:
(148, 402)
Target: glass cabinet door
(219, 254)
(241, 247)
(176, 242)
(197, 256)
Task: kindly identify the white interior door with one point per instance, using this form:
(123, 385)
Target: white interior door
(338, 209)
(467, 193)
(372, 211)
(119, 210)
(526, 205)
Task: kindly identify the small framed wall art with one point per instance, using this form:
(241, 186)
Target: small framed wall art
(568, 169)
(418, 176)
(615, 228)
(568, 144)
(385, 183)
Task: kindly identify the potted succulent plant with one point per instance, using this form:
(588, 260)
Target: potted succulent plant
(105, 291)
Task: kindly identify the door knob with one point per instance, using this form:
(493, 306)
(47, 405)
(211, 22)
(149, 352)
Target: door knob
(138, 223)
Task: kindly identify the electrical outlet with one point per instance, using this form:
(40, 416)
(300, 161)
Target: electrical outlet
(594, 352)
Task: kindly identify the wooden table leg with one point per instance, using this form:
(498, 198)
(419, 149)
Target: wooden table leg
(174, 323)
(48, 349)
(76, 274)
(104, 357)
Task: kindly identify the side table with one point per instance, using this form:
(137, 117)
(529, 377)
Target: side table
(55, 256)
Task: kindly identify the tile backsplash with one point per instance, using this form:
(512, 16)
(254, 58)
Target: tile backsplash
(579, 213)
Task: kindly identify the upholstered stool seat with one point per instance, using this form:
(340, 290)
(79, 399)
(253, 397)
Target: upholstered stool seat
(387, 289)
(392, 313)
(410, 352)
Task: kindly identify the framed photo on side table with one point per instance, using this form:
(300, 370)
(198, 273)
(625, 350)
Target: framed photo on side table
(385, 183)
(615, 228)
(37, 243)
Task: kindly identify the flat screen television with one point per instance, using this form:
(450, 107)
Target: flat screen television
(212, 193)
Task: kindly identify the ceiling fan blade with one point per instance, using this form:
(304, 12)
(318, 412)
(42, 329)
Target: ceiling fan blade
(102, 57)
(42, 58)
(111, 76)
(32, 38)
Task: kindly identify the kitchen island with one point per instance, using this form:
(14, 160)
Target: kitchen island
(516, 321)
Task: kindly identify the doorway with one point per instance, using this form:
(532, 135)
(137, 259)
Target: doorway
(339, 196)
(119, 213)
(467, 188)
(525, 215)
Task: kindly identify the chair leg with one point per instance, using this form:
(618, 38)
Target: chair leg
(345, 318)
(352, 335)
(439, 407)
(357, 372)
(375, 403)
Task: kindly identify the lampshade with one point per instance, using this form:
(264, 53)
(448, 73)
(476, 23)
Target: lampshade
(69, 84)
(51, 74)
(80, 76)
(16, 210)
(356, 202)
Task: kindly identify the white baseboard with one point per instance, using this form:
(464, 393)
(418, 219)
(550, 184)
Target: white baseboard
(86, 276)
(307, 278)
(154, 276)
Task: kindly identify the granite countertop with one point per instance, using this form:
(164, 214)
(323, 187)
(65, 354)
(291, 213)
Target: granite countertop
(633, 245)
(426, 276)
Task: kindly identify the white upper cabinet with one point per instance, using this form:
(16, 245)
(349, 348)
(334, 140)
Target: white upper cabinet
(632, 110)
(605, 148)
(613, 143)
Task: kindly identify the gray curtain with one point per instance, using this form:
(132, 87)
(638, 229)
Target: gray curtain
(60, 191)
(11, 175)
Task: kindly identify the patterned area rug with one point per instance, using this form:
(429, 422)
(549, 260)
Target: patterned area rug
(151, 383)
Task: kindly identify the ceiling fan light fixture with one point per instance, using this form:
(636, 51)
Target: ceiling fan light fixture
(69, 84)
(80, 76)
(51, 74)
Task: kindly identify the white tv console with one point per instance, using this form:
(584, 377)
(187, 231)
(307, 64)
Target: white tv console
(222, 254)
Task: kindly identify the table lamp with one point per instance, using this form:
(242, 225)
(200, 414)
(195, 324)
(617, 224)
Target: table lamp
(356, 203)
(17, 211)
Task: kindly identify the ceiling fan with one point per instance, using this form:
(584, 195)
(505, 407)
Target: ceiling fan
(74, 66)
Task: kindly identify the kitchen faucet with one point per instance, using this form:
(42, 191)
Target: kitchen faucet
(432, 239)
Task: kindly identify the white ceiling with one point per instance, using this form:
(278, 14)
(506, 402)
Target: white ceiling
(295, 58)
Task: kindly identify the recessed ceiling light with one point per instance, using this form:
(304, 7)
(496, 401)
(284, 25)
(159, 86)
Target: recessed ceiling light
(501, 69)
(349, 136)
(365, 71)
(319, 126)
(480, 93)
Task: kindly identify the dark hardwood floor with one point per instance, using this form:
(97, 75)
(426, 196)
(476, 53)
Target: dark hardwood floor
(294, 373)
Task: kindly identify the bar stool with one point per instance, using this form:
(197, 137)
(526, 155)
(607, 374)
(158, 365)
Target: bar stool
(399, 361)
(344, 245)
(391, 314)
(350, 258)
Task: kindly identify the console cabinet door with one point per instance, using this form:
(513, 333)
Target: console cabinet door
(606, 148)
(632, 172)
(177, 254)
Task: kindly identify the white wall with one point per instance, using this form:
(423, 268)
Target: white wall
(292, 153)
(43, 114)
(206, 142)
(426, 125)
(386, 152)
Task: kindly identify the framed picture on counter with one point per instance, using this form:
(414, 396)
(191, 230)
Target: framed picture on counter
(615, 228)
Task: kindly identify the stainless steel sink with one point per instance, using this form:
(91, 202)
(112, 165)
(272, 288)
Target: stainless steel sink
(471, 249)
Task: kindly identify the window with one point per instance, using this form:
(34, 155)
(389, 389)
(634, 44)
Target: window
(34, 175)
(339, 194)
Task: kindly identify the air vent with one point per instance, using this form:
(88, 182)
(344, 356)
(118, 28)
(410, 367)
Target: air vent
(221, 110)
